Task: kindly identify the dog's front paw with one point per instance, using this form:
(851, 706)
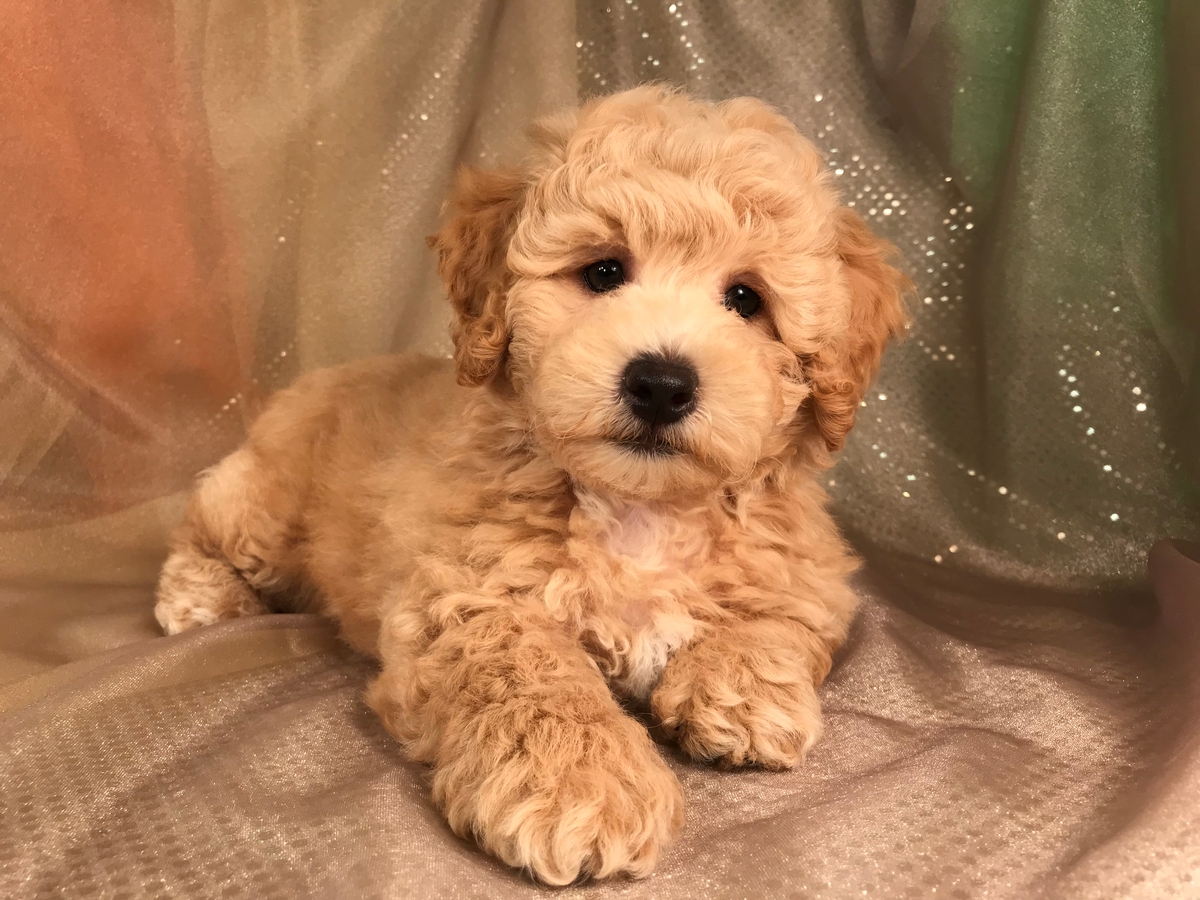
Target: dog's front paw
(738, 705)
(567, 800)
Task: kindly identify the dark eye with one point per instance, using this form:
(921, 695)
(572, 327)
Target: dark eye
(742, 300)
(604, 276)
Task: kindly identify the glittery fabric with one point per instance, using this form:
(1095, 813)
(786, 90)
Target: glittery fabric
(201, 199)
(1022, 430)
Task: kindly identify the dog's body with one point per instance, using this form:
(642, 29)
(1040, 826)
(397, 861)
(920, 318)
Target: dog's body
(618, 495)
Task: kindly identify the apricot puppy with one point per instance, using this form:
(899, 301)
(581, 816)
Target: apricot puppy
(663, 324)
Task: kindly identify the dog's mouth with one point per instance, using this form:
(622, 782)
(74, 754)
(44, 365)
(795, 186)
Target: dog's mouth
(647, 443)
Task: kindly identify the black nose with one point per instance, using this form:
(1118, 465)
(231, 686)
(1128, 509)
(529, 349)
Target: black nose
(658, 390)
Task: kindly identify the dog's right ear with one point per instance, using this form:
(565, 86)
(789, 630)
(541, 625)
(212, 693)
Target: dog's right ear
(471, 249)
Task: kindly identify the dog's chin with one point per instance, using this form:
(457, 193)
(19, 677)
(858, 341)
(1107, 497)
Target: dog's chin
(641, 467)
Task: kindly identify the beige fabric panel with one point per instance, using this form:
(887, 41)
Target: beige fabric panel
(982, 741)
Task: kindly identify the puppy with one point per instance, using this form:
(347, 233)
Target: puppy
(664, 323)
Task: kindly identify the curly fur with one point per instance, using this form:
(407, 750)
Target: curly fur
(514, 567)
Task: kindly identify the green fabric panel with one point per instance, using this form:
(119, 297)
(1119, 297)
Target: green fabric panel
(1074, 284)
(991, 40)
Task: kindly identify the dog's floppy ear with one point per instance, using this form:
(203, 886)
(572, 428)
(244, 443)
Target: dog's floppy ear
(841, 372)
(471, 249)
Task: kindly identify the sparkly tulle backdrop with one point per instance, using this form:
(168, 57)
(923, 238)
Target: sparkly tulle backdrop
(201, 199)
(1026, 429)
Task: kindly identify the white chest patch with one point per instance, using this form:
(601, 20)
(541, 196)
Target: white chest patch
(634, 531)
(652, 538)
(659, 550)
(650, 650)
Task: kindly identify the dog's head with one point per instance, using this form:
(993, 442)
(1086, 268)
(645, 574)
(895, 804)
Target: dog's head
(672, 291)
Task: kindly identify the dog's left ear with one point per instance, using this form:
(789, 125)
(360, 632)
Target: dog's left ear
(841, 372)
(471, 249)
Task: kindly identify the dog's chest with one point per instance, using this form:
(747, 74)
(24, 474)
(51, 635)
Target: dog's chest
(651, 556)
(659, 542)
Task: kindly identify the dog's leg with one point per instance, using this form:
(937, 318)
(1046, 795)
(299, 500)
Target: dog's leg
(745, 693)
(531, 754)
(228, 548)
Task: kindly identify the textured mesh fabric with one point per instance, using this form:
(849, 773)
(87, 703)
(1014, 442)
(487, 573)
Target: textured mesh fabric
(199, 200)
